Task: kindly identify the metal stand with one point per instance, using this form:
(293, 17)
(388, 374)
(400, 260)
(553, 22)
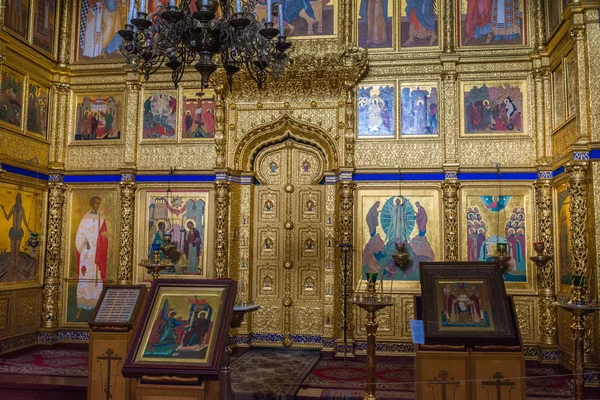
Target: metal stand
(236, 321)
(371, 303)
(579, 308)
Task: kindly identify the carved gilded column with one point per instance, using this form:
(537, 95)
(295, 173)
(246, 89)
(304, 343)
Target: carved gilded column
(449, 122)
(546, 275)
(64, 35)
(448, 25)
(51, 291)
(125, 272)
(220, 143)
(578, 209)
(61, 111)
(578, 34)
(349, 130)
(540, 25)
(222, 195)
(132, 127)
(540, 109)
(346, 237)
(450, 190)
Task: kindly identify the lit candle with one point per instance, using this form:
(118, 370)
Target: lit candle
(269, 10)
(143, 6)
(238, 6)
(280, 12)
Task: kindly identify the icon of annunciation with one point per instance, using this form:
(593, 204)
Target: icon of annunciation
(493, 107)
(177, 216)
(376, 105)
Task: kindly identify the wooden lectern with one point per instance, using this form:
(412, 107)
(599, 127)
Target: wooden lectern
(111, 327)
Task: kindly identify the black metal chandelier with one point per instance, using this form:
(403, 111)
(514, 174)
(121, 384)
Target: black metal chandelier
(177, 37)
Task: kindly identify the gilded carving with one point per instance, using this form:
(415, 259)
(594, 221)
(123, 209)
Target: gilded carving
(220, 142)
(527, 318)
(545, 275)
(125, 271)
(51, 291)
(451, 249)
(346, 229)
(4, 314)
(349, 131)
(222, 190)
(578, 210)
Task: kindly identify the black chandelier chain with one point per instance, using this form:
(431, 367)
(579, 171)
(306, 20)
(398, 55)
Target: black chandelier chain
(176, 37)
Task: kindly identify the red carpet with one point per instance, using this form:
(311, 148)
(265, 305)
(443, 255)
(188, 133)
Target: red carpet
(56, 362)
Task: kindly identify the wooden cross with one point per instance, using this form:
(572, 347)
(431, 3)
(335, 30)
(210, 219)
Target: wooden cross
(443, 375)
(109, 358)
(498, 383)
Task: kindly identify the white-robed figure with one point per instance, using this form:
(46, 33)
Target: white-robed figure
(92, 253)
(100, 23)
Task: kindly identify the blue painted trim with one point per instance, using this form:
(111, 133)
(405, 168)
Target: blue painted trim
(595, 154)
(433, 176)
(24, 172)
(493, 176)
(92, 178)
(558, 171)
(175, 178)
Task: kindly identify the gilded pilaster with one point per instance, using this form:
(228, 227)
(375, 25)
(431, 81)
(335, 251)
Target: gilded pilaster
(349, 130)
(578, 210)
(61, 125)
(540, 25)
(131, 122)
(220, 142)
(51, 291)
(592, 28)
(64, 36)
(449, 44)
(578, 34)
(346, 232)
(450, 189)
(546, 275)
(222, 196)
(449, 122)
(547, 105)
(125, 272)
(540, 100)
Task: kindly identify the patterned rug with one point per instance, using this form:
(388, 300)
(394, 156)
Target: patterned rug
(333, 374)
(271, 374)
(47, 362)
(331, 379)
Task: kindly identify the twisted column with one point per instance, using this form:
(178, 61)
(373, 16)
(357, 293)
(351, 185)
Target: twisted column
(450, 190)
(545, 275)
(51, 291)
(346, 232)
(222, 190)
(578, 210)
(125, 272)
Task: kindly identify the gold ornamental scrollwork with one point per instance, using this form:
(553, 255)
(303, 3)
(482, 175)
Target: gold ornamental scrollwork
(545, 275)
(578, 210)
(450, 191)
(220, 143)
(51, 291)
(222, 189)
(349, 131)
(540, 25)
(346, 226)
(64, 41)
(128, 187)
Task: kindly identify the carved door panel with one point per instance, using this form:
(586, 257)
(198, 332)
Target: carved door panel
(288, 241)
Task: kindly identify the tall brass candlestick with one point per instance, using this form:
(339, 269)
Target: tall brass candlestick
(371, 303)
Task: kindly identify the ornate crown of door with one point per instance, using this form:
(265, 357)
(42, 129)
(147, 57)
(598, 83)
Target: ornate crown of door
(288, 241)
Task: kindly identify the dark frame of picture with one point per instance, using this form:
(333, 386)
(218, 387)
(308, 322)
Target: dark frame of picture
(98, 323)
(465, 303)
(182, 361)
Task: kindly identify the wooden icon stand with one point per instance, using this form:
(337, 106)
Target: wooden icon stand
(111, 327)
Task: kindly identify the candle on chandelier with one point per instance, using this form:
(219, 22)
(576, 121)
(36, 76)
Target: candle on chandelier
(143, 6)
(131, 15)
(172, 3)
(269, 10)
(280, 13)
(238, 6)
(205, 3)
